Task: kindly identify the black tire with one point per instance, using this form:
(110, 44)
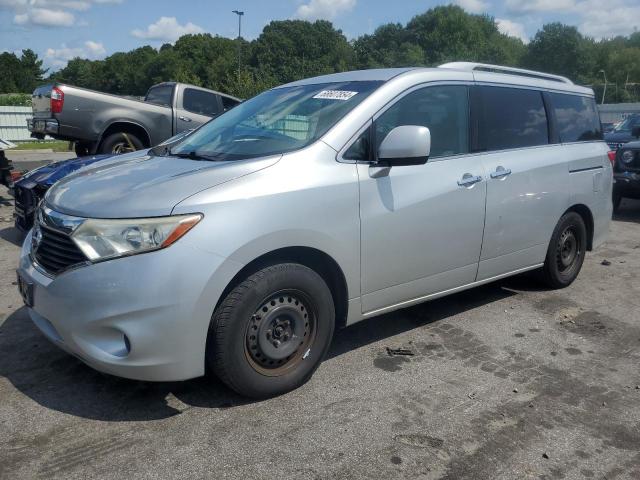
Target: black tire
(81, 149)
(566, 251)
(121, 142)
(286, 306)
(617, 200)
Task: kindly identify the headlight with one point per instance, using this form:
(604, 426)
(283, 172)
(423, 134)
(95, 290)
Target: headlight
(101, 239)
(627, 156)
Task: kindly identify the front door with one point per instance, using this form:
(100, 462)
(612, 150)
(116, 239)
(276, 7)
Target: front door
(198, 107)
(422, 225)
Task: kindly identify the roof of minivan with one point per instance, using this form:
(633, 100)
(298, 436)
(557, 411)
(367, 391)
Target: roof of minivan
(386, 74)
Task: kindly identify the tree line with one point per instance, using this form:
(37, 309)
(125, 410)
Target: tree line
(292, 49)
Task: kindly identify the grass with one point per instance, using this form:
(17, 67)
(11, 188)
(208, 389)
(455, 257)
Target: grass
(56, 146)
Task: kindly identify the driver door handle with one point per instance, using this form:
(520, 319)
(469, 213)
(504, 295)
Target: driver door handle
(468, 180)
(501, 172)
(185, 119)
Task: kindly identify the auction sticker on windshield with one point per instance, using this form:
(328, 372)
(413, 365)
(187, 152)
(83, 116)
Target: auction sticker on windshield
(335, 95)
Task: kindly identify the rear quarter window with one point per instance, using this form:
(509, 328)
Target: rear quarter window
(577, 118)
(511, 118)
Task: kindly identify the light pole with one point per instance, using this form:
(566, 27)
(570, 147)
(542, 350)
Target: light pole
(604, 92)
(240, 14)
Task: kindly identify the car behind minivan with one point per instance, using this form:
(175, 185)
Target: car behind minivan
(313, 206)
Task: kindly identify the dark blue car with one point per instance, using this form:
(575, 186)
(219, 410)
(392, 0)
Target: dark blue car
(29, 190)
(624, 132)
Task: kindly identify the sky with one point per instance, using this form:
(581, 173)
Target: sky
(59, 30)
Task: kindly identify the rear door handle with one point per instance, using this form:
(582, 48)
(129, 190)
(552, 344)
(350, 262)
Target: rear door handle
(185, 119)
(468, 180)
(501, 172)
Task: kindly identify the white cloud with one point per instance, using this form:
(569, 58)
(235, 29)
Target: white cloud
(324, 9)
(167, 29)
(58, 57)
(45, 17)
(49, 13)
(472, 6)
(605, 20)
(512, 29)
(530, 6)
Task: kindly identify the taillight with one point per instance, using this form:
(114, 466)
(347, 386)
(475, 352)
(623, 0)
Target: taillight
(57, 100)
(612, 156)
(15, 175)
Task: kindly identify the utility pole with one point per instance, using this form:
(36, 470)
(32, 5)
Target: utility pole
(240, 14)
(604, 92)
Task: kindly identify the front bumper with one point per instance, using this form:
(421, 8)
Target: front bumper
(627, 184)
(143, 317)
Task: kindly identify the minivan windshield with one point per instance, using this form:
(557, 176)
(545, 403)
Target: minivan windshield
(276, 121)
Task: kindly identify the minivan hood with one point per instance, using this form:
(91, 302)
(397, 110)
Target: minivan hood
(143, 186)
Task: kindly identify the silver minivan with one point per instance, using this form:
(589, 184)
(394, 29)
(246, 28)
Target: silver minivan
(313, 206)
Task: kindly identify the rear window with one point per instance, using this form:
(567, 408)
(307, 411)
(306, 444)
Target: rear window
(228, 103)
(201, 102)
(576, 117)
(511, 118)
(161, 95)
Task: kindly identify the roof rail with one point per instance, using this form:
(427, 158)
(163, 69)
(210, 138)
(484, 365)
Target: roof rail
(484, 67)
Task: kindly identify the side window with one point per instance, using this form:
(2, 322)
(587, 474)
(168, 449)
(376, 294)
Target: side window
(161, 95)
(576, 117)
(359, 150)
(444, 110)
(511, 118)
(201, 102)
(228, 103)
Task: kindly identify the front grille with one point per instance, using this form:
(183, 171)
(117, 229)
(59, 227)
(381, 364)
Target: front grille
(25, 201)
(57, 252)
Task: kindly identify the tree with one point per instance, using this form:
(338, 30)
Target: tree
(389, 46)
(293, 49)
(561, 49)
(448, 34)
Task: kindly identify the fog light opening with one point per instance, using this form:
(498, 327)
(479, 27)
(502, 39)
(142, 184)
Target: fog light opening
(127, 344)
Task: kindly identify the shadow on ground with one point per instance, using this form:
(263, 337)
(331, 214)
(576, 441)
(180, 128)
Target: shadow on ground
(629, 211)
(61, 382)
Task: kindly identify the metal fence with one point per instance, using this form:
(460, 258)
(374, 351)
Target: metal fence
(616, 112)
(13, 123)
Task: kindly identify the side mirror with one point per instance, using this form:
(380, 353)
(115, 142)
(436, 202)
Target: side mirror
(406, 145)
(635, 132)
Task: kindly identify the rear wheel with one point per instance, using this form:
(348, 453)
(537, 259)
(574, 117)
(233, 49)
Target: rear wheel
(271, 332)
(121, 142)
(566, 251)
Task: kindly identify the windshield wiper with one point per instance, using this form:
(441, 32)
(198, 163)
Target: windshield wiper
(192, 156)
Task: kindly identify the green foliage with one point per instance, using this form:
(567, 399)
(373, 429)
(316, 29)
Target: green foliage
(292, 49)
(16, 100)
(20, 74)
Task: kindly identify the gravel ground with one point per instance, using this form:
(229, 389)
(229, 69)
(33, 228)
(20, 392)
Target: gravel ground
(507, 381)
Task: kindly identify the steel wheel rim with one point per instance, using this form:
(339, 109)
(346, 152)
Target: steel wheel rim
(286, 319)
(120, 148)
(568, 251)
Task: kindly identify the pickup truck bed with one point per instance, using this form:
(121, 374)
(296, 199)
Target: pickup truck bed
(104, 123)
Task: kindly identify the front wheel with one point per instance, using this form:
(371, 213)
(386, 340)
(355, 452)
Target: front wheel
(566, 251)
(617, 200)
(270, 333)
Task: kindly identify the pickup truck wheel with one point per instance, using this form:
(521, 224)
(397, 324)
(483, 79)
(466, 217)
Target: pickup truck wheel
(271, 332)
(566, 251)
(617, 200)
(121, 142)
(81, 149)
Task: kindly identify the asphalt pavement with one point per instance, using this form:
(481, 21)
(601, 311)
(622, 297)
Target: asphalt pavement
(507, 381)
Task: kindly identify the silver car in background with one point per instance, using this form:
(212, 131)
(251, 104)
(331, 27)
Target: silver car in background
(313, 206)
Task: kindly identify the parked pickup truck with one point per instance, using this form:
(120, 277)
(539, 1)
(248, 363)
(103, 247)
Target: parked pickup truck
(103, 123)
